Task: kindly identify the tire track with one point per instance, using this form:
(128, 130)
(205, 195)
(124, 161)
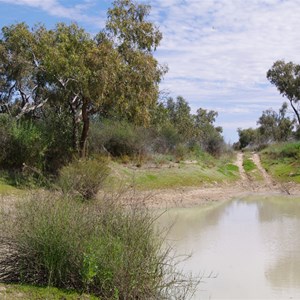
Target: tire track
(268, 181)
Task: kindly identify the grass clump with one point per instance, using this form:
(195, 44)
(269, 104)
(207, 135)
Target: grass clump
(95, 247)
(230, 170)
(84, 177)
(28, 292)
(251, 169)
(249, 165)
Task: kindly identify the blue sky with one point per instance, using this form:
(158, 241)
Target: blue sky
(218, 51)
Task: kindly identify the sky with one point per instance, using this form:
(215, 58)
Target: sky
(217, 51)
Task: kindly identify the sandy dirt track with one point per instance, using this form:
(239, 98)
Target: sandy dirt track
(189, 197)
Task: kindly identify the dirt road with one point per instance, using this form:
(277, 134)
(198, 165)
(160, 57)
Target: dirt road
(246, 185)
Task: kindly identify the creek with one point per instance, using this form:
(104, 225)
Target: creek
(242, 249)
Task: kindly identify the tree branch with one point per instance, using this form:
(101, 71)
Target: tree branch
(30, 107)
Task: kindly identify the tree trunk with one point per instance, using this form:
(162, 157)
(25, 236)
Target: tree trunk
(74, 129)
(85, 129)
(296, 112)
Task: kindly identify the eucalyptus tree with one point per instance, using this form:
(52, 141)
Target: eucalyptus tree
(180, 117)
(208, 135)
(135, 38)
(275, 126)
(68, 69)
(21, 77)
(286, 77)
(81, 73)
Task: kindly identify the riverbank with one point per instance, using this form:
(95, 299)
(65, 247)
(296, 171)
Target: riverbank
(247, 184)
(243, 183)
(191, 197)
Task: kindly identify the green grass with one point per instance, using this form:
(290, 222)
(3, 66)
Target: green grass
(251, 168)
(175, 175)
(249, 165)
(27, 292)
(95, 246)
(283, 161)
(7, 189)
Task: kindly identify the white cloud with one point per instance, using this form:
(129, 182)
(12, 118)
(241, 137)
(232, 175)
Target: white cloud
(55, 8)
(219, 51)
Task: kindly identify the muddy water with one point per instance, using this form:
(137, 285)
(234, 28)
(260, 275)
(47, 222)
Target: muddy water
(243, 249)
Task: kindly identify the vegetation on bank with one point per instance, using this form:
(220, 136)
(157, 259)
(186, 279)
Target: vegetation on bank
(29, 292)
(251, 168)
(172, 174)
(79, 114)
(282, 161)
(96, 247)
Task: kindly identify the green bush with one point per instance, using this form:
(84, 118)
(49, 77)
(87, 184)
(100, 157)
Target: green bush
(181, 152)
(96, 247)
(58, 139)
(166, 140)
(213, 143)
(119, 138)
(21, 144)
(5, 137)
(84, 177)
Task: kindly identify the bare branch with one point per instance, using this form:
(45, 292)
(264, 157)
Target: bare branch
(30, 107)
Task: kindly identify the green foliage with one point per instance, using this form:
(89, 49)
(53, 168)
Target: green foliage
(70, 70)
(180, 117)
(21, 144)
(273, 127)
(167, 139)
(173, 175)
(56, 82)
(180, 152)
(282, 161)
(251, 169)
(247, 137)
(176, 125)
(29, 292)
(229, 170)
(58, 139)
(249, 165)
(285, 76)
(94, 247)
(84, 177)
(207, 134)
(119, 139)
(6, 188)
(5, 136)
(213, 142)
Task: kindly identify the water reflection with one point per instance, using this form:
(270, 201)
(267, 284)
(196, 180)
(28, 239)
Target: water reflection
(252, 244)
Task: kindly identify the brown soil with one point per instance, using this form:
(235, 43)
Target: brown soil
(189, 197)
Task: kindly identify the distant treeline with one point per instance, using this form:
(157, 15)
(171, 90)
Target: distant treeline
(277, 126)
(272, 127)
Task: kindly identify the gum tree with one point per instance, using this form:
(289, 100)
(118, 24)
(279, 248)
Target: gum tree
(69, 70)
(286, 77)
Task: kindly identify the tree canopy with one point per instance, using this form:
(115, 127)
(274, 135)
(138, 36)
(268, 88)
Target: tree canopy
(286, 77)
(69, 70)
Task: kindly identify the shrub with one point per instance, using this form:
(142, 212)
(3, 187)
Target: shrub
(180, 152)
(84, 177)
(5, 137)
(213, 143)
(167, 139)
(98, 247)
(21, 143)
(119, 138)
(58, 138)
